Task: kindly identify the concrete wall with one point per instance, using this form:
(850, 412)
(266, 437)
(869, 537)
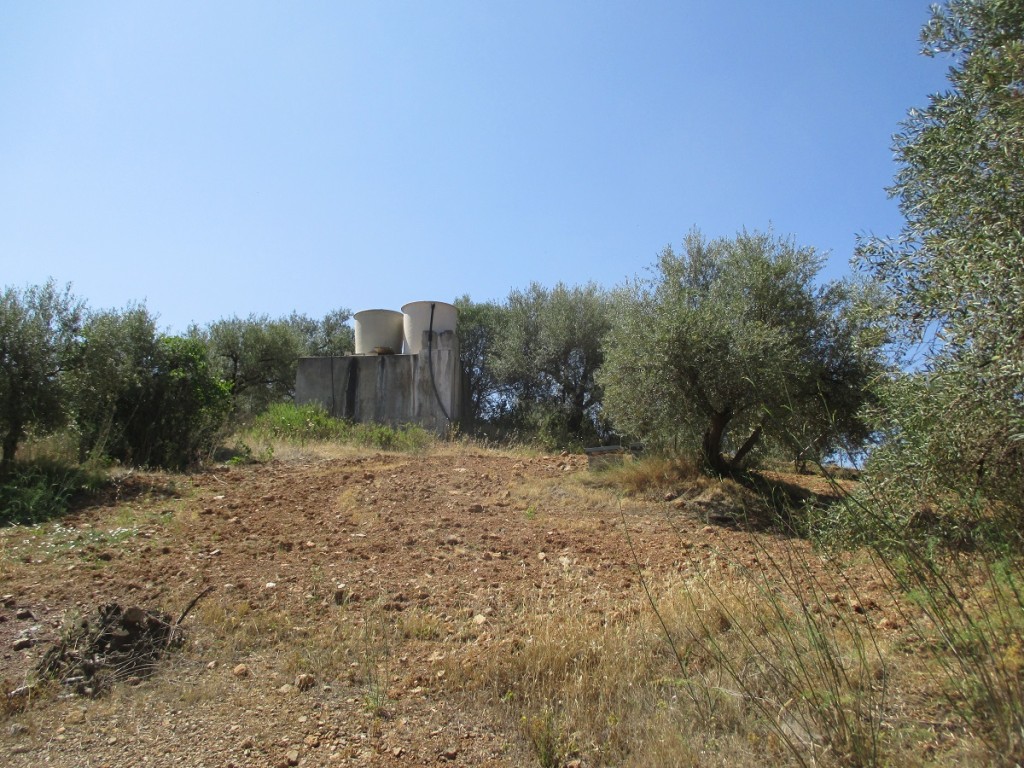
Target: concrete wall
(388, 389)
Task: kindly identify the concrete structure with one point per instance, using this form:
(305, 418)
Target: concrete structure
(422, 389)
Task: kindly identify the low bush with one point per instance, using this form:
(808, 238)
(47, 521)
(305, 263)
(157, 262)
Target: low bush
(298, 423)
(41, 490)
(309, 423)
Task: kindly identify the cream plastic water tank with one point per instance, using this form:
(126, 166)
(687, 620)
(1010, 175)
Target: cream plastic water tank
(378, 329)
(417, 320)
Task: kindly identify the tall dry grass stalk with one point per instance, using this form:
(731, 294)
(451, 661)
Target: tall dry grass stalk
(957, 574)
(728, 666)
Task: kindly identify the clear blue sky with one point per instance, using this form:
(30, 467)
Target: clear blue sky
(219, 158)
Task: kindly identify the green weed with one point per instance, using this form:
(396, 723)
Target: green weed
(311, 423)
(42, 490)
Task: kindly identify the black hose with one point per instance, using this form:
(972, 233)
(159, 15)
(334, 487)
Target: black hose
(334, 403)
(430, 363)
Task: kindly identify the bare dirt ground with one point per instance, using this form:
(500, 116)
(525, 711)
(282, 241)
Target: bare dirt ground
(347, 593)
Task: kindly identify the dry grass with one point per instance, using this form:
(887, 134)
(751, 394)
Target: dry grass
(650, 476)
(570, 682)
(967, 616)
(725, 667)
(314, 449)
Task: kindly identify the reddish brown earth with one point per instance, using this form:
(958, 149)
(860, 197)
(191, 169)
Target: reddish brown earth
(454, 542)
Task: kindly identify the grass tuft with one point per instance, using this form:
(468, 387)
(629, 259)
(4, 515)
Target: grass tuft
(651, 475)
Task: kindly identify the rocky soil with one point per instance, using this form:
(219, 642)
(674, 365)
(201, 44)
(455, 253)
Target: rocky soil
(345, 595)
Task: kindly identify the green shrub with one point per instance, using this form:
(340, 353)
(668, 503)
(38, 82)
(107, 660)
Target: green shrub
(298, 423)
(41, 490)
(311, 422)
(179, 411)
(410, 437)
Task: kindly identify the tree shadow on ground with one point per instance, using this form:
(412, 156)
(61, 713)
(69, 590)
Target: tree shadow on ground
(788, 500)
(39, 491)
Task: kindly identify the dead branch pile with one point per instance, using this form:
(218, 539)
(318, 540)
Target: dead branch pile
(109, 646)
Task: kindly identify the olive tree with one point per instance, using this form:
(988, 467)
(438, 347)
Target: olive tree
(547, 354)
(116, 356)
(330, 336)
(732, 342)
(955, 274)
(480, 324)
(256, 356)
(142, 398)
(38, 332)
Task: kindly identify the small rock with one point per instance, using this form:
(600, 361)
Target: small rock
(542, 556)
(304, 682)
(22, 643)
(240, 671)
(271, 584)
(247, 743)
(479, 619)
(292, 756)
(449, 754)
(21, 749)
(398, 751)
(212, 665)
(476, 508)
(24, 613)
(17, 729)
(669, 496)
(286, 688)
